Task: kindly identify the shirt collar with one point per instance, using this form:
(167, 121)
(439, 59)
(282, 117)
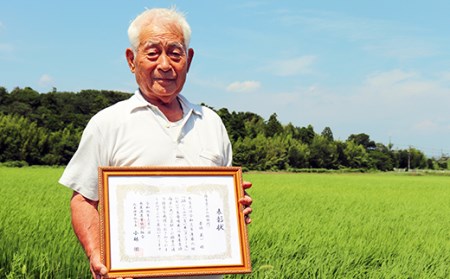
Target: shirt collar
(138, 101)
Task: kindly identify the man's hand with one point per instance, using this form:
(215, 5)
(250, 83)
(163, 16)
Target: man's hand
(246, 201)
(85, 222)
(98, 270)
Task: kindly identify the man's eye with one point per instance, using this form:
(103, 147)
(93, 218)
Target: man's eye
(152, 54)
(175, 55)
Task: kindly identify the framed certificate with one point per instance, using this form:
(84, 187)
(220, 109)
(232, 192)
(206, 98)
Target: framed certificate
(170, 221)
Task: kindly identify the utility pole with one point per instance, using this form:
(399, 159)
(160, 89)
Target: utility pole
(409, 158)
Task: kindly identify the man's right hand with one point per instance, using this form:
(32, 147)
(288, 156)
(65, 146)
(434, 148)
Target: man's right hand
(85, 222)
(98, 270)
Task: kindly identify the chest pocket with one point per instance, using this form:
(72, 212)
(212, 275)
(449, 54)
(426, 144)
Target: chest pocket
(211, 158)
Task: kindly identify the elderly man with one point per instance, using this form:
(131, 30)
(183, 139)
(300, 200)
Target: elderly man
(155, 127)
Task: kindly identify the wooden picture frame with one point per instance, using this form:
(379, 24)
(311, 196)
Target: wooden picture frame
(172, 221)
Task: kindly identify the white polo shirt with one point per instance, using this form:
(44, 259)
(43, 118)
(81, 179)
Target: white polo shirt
(136, 133)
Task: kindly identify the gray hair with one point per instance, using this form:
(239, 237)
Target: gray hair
(172, 14)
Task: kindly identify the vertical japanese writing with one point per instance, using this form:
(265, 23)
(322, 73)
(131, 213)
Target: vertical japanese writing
(164, 224)
(171, 225)
(207, 216)
(158, 223)
(141, 220)
(135, 230)
(191, 224)
(178, 222)
(147, 217)
(220, 222)
(184, 224)
(174, 223)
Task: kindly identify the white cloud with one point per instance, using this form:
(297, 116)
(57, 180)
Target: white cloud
(46, 80)
(426, 126)
(389, 77)
(244, 86)
(293, 66)
(401, 84)
(387, 103)
(400, 48)
(398, 105)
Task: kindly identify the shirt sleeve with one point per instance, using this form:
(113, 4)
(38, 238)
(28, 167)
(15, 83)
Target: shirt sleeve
(81, 174)
(228, 156)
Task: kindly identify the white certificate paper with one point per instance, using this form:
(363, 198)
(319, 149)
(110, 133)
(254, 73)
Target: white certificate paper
(171, 223)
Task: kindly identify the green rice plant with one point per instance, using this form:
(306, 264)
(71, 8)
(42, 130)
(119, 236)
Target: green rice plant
(349, 226)
(36, 238)
(304, 226)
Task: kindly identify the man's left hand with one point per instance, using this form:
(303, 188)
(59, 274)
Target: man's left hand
(246, 201)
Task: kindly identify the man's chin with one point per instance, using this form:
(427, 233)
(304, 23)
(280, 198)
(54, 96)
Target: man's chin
(166, 97)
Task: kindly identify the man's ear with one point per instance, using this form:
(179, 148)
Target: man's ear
(129, 53)
(190, 56)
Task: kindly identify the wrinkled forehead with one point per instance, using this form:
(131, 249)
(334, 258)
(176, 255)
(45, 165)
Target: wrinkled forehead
(162, 31)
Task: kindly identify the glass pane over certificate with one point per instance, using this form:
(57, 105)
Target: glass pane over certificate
(180, 221)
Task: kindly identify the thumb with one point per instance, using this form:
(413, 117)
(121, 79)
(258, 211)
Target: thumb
(98, 268)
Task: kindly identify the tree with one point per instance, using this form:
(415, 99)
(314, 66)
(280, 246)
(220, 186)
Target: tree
(382, 157)
(3, 95)
(298, 154)
(273, 126)
(323, 153)
(62, 145)
(356, 156)
(20, 108)
(22, 102)
(443, 162)
(21, 140)
(250, 153)
(236, 126)
(417, 159)
(45, 129)
(224, 115)
(327, 134)
(362, 139)
(402, 158)
(276, 153)
(306, 134)
(26, 95)
(254, 124)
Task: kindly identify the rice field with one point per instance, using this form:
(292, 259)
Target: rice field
(36, 238)
(304, 226)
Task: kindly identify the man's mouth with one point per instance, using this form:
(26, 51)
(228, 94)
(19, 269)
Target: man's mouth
(164, 80)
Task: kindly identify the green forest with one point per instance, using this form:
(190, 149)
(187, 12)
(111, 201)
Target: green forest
(45, 129)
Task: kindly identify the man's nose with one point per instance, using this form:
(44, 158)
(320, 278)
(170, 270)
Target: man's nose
(164, 62)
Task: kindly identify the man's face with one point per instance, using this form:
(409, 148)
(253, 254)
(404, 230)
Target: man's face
(161, 62)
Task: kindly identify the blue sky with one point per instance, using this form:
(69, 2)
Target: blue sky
(375, 67)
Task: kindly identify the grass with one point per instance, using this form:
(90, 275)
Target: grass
(304, 226)
(350, 226)
(35, 231)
